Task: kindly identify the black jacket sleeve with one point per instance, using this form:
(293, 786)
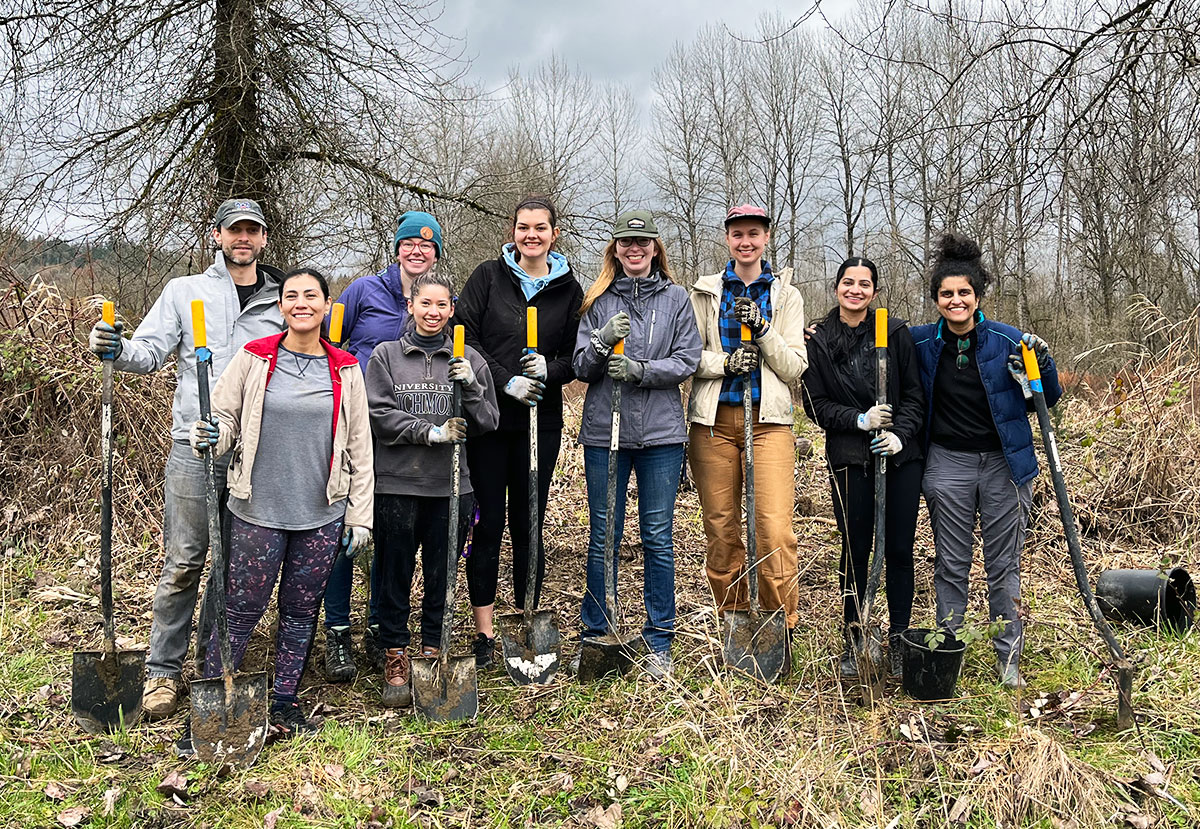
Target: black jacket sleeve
(558, 365)
(469, 312)
(820, 407)
(909, 415)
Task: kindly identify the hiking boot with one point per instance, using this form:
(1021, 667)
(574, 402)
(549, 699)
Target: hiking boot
(895, 657)
(184, 749)
(1010, 675)
(287, 720)
(849, 663)
(573, 665)
(373, 648)
(658, 665)
(160, 697)
(397, 690)
(485, 651)
(339, 662)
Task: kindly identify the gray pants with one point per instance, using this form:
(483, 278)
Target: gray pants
(958, 486)
(185, 537)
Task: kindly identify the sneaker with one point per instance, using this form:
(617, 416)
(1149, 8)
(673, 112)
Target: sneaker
(287, 720)
(1010, 676)
(184, 749)
(485, 651)
(573, 665)
(397, 690)
(160, 697)
(339, 662)
(658, 665)
(375, 651)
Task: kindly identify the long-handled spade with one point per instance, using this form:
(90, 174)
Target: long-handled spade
(872, 672)
(229, 714)
(445, 688)
(106, 685)
(754, 643)
(530, 639)
(1120, 661)
(611, 653)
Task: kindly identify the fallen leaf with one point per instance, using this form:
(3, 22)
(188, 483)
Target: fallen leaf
(56, 791)
(868, 800)
(335, 771)
(607, 724)
(272, 817)
(110, 801)
(985, 761)
(173, 785)
(960, 812)
(257, 789)
(308, 797)
(602, 818)
(792, 814)
(1138, 821)
(450, 775)
(74, 816)
(622, 783)
(109, 752)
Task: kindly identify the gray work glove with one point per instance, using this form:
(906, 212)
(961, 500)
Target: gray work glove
(105, 340)
(453, 430)
(203, 436)
(461, 370)
(525, 390)
(1041, 350)
(886, 443)
(747, 312)
(616, 329)
(533, 366)
(743, 360)
(878, 416)
(353, 541)
(624, 369)
(1016, 367)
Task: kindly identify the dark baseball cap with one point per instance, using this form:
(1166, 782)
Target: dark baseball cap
(235, 210)
(747, 211)
(637, 223)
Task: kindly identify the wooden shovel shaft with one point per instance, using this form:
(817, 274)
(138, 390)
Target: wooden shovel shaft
(106, 516)
(751, 513)
(877, 554)
(452, 534)
(610, 513)
(535, 529)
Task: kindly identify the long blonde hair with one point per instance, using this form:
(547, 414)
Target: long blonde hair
(611, 266)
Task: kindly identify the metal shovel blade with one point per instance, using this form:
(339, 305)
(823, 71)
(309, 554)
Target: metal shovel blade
(445, 690)
(233, 732)
(106, 689)
(872, 666)
(756, 643)
(603, 656)
(532, 648)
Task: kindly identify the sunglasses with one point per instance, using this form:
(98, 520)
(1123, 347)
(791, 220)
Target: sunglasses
(962, 360)
(630, 241)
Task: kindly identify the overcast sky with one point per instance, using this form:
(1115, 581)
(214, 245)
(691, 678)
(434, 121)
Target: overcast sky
(609, 40)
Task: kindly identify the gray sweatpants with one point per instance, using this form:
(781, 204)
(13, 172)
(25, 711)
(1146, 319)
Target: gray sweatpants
(958, 486)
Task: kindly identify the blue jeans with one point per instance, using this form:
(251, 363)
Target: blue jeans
(657, 469)
(337, 593)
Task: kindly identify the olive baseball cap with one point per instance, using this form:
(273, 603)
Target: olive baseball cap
(635, 223)
(235, 210)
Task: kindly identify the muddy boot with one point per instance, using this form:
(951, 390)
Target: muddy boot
(374, 650)
(849, 664)
(485, 651)
(160, 697)
(895, 657)
(397, 690)
(339, 662)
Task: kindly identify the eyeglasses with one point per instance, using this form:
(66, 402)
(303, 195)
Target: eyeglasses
(962, 360)
(630, 241)
(425, 247)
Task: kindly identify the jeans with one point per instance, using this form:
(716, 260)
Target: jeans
(185, 539)
(337, 593)
(657, 469)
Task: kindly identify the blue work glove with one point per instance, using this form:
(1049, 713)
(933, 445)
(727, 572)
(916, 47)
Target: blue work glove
(1041, 350)
(524, 389)
(203, 437)
(886, 443)
(878, 416)
(533, 366)
(453, 430)
(105, 340)
(1016, 367)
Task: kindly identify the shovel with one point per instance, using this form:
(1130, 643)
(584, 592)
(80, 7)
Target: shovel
(754, 643)
(1120, 661)
(872, 672)
(229, 714)
(106, 685)
(611, 653)
(530, 640)
(445, 688)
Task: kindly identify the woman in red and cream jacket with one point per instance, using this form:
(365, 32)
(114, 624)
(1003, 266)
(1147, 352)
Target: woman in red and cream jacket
(294, 409)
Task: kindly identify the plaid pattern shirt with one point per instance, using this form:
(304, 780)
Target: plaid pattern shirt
(731, 330)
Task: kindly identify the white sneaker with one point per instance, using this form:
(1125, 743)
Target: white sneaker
(1010, 675)
(659, 665)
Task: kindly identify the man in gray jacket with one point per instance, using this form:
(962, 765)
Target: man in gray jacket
(240, 304)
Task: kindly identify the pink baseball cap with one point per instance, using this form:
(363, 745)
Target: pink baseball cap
(747, 211)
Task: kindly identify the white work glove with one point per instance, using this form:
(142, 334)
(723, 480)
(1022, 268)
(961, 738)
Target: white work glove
(1016, 367)
(203, 436)
(105, 340)
(742, 360)
(353, 540)
(886, 443)
(533, 365)
(877, 417)
(453, 430)
(461, 370)
(616, 329)
(524, 389)
(1041, 350)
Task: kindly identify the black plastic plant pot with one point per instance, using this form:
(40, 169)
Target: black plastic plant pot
(931, 670)
(1163, 599)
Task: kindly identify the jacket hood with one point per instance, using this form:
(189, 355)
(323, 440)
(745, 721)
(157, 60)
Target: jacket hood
(272, 275)
(629, 286)
(531, 285)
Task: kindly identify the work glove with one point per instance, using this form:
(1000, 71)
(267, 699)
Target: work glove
(525, 390)
(616, 329)
(886, 443)
(105, 340)
(453, 430)
(624, 369)
(1016, 367)
(747, 312)
(203, 436)
(533, 366)
(353, 541)
(743, 360)
(878, 416)
(461, 370)
(1041, 350)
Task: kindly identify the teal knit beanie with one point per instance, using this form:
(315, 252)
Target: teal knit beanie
(416, 224)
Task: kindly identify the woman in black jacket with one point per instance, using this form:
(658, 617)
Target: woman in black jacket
(493, 307)
(839, 395)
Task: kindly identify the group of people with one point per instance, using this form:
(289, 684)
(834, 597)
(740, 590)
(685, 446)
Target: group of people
(320, 445)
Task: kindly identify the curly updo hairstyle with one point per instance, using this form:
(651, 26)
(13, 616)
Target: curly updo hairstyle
(959, 255)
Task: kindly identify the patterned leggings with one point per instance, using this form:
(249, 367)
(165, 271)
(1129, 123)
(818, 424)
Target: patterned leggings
(255, 556)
